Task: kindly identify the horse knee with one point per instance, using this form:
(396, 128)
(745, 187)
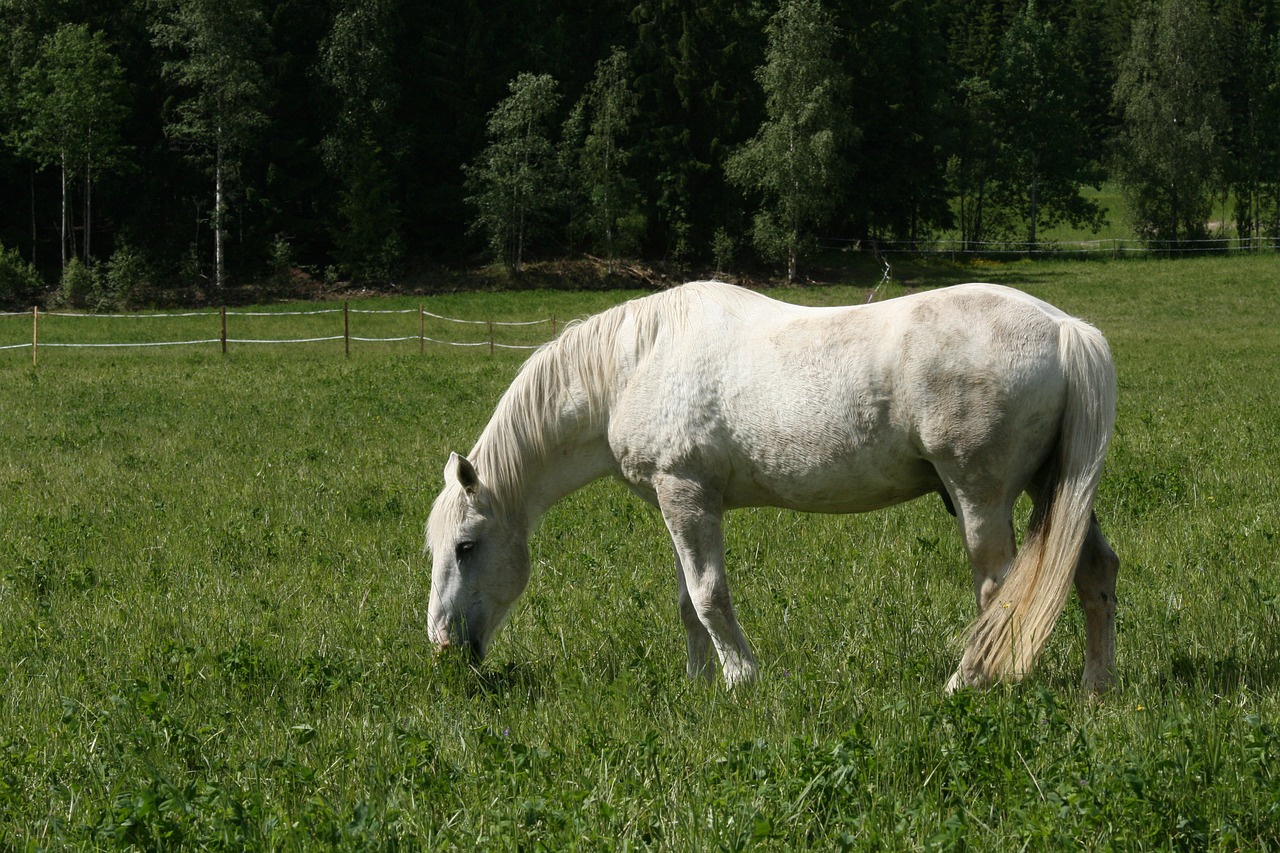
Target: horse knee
(988, 573)
(989, 541)
(985, 588)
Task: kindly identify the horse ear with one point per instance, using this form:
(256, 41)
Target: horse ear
(460, 468)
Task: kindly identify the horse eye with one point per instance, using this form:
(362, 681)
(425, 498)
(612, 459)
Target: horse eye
(462, 549)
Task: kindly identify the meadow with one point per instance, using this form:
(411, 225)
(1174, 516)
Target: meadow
(213, 595)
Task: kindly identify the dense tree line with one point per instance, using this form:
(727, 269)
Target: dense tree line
(223, 141)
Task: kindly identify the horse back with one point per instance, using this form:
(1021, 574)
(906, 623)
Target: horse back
(843, 409)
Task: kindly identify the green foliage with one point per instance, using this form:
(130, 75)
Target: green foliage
(362, 145)
(973, 170)
(19, 281)
(111, 286)
(694, 69)
(360, 128)
(1251, 92)
(1022, 157)
(214, 49)
(1044, 146)
(72, 100)
(902, 108)
(126, 277)
(367, 243)
(723, 249)
(72, 103)
(78, 286)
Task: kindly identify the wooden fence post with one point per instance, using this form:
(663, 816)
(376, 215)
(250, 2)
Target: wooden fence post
(224, 329)
(490, 337)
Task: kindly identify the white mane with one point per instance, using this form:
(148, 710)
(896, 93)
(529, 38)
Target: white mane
(571, 382)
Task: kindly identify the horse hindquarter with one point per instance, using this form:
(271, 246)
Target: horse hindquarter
(1014, 626)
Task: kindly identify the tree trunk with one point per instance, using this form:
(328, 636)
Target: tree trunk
(34, 234)
(1035, 209)
(62, 232)
(219, 274)
(608, 212)
(88, 207)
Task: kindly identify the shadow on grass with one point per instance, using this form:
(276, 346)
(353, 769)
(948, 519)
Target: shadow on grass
(1222, 674)
(461, 674)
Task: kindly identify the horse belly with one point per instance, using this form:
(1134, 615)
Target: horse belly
(837, 472)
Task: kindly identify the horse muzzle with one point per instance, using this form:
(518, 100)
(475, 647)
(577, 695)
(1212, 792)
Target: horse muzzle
(452, 638)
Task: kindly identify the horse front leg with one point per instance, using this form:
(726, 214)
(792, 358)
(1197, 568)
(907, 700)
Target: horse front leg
(692, 513)
(1096, 587)
(699, 640)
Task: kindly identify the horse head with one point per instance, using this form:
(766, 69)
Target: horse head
(479, 562)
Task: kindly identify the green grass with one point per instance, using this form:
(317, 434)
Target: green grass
(213, 594)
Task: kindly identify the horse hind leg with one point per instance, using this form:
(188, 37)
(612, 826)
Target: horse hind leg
(1095, 582)
(989, 541)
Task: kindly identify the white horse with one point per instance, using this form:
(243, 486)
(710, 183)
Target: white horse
(709, 397)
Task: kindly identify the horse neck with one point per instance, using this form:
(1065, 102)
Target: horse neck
(546, 439)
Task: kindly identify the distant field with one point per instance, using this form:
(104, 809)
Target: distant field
(213, 594)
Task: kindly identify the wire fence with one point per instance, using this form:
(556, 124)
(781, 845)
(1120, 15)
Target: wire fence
(226, 319)
(1115, 247)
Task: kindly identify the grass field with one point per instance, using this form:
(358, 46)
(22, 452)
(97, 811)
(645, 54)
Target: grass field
(213, 592)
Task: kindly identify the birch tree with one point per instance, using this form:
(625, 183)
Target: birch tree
(219, 109)
(595, 133)
(1167, 93)
(512, 183)
(794, 159)
(71, 101)
(357, 61)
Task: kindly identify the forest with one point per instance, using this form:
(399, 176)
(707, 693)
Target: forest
(146, 145)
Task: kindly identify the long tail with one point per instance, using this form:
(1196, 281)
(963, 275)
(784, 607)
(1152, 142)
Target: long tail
(1008, 636)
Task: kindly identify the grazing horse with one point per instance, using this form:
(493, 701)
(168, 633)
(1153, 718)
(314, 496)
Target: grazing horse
(709, 397)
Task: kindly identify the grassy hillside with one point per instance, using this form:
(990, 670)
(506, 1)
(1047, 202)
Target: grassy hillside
(213, 596)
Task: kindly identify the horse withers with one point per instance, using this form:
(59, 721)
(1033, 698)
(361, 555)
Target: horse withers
(709, 397)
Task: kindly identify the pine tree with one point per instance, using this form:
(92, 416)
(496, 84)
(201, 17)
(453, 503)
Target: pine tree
(693, 63)
(360, 150)
(1252, 97)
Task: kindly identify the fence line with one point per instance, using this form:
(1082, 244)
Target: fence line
(133, 344)
(224, 339)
